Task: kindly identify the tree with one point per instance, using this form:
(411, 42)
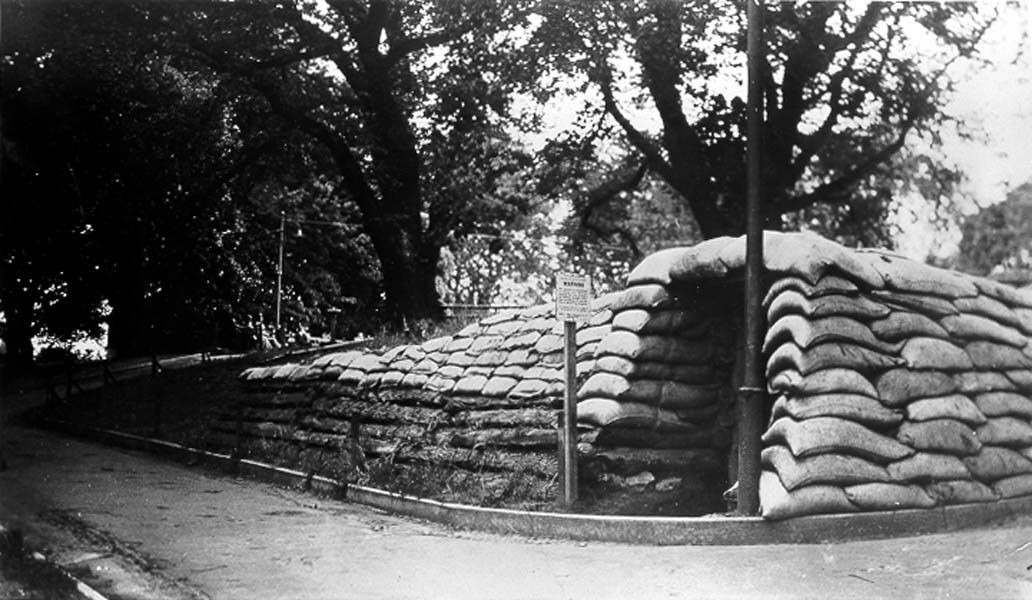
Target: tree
(846, 87)
(386, 88)
(998, 238)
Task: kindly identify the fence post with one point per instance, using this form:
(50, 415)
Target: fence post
(157, 393)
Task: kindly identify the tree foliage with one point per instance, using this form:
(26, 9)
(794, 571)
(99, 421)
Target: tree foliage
(998, 238)
(846, 86)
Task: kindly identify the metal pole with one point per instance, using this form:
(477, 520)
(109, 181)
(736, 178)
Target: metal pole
(569, 449)
(751, 395)
(279, 272)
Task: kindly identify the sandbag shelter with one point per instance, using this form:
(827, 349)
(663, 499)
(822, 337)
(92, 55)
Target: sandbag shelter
(892, 384)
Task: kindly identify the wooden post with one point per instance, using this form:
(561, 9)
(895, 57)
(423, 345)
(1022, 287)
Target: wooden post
(568, 458)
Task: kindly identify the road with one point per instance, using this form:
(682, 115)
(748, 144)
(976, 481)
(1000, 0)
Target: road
(143, 528)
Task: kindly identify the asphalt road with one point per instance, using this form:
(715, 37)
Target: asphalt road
(140, 527)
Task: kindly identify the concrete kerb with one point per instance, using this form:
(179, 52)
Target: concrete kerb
(9, 546)
(716, 530)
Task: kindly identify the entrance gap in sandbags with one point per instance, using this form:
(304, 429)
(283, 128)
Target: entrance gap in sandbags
(659, 405)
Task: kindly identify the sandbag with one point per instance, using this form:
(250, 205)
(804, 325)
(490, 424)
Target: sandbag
(997, 357)
(654, 348)
(498, 387)
(655, 370)
(927, 466)
(470, 385)
(535, 388)
(1021, 378)
(988, 307)
(1013, 487)
(953, 406)
(981, 381)
(995, 462)
(791, 302)
(841, 469)
(778, 503)
(822, 382)
(902, 325)
(960, 491)
(829, 284)
(1005, 431)
(1007, 294)
(811, 258)
(701, 261)
(897, 387)
(830, 435)
(641, 321)
(604, 412)
(809, 332)
(888, 496)
(927, 305)
(1024, 315)
(826, 356)
(656, 267)
(855, 407)
(591, 334)
(974, 327)
(933, 353)
(1003, 404)
(641, 296)
(940, 435)
(908, 275)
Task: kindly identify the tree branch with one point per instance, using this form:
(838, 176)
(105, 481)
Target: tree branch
(602, 194)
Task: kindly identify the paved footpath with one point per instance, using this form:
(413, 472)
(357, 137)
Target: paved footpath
(164, 530)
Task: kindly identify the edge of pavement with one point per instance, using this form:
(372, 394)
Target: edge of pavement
(641, 530)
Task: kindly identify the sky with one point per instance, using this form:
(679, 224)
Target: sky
(999, 100)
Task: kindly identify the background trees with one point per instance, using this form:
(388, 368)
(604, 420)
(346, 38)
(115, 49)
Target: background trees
(420, 151)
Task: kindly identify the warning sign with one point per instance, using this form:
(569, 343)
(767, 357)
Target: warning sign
(572, 296)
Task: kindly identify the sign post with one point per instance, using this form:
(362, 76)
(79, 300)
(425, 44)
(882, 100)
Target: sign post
(572, 302)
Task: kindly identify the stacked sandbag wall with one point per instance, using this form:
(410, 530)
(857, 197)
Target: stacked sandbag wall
(894, 385)
(658, 398)
(486, 398)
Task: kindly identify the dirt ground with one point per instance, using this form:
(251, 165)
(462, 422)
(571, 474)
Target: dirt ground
(173, 531)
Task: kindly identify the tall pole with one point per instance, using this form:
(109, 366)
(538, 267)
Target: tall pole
(752, 393)
(279, 272)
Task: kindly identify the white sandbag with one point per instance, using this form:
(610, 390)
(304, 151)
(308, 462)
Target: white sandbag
(656, 267)
(1014, 486)
(792, 302)
(952, 406)
(470, 385)
(902, 325)
(812, 257)
(777, 503)
(830, 435)
(641, 296)
(940, 435)
(809, 332)
(1021, 378)
(822, 382)
(888, 496)
(974, 327)
(839, 469)
(1006, 431)
(995, 462)
(933, 353)
(931, 306)
(855, 407)
(1004, 404)
(960, 491)
(1007, 294)
(928, 466)
(908, 275)
(701, 261)
(991, 308)
(973, 382)
(897, 387)
(498, 386)
(997, 357)
(829, 284)
(826, 356)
